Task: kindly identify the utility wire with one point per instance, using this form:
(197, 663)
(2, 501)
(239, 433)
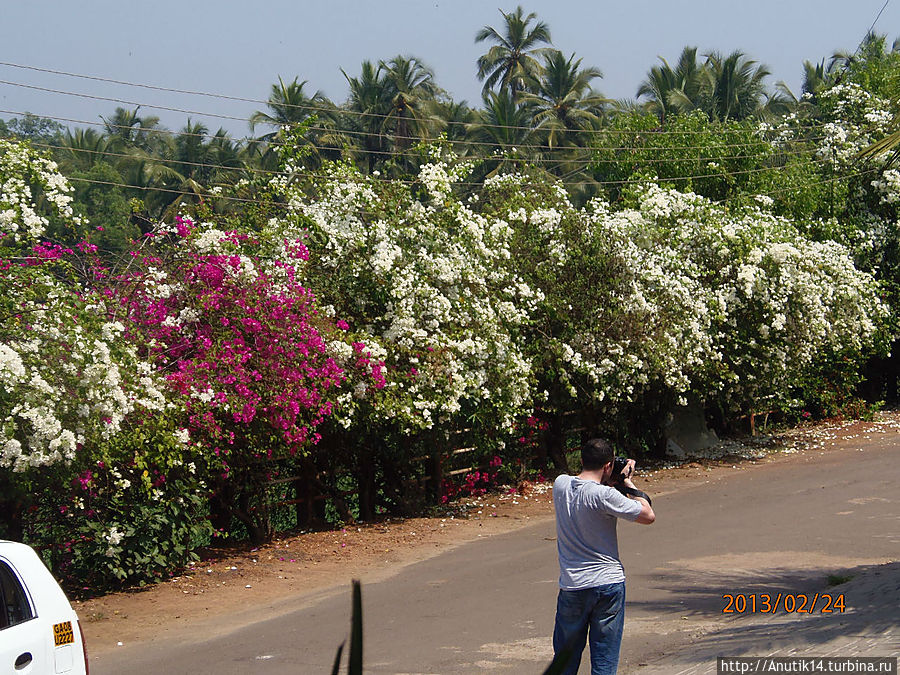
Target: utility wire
(872, 27)
(280, 105)
(350, 132)
(633, 162)
(302, 174)
(250, 140)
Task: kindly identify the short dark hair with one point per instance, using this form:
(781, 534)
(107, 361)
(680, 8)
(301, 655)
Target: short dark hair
(595, 453)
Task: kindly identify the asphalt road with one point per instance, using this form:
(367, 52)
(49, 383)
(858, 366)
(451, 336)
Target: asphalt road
(488, 605)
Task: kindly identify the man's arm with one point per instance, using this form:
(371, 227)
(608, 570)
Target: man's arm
(646, 516)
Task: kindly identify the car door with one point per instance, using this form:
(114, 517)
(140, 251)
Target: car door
(24, 641)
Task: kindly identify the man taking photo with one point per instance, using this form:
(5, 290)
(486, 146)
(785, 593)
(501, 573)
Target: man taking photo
(591, 601)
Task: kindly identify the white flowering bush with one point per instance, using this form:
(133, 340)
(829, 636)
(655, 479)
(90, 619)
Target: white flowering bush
(513, 298)
(854, 118)
(620, 319)
(777, 303)
(428, 286)
(66, 376)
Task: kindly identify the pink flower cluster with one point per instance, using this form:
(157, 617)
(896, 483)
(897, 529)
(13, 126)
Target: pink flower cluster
(475, 484)
(242, 350)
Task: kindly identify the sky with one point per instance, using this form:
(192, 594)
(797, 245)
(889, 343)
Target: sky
(240, 49)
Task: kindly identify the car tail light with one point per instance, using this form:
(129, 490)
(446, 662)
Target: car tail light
(87, 668)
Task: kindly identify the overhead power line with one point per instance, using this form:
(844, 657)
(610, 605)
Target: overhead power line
(349, 132)
(243, 200)
(243, 168)
(289, 106)
(872, 27)
(412, 181)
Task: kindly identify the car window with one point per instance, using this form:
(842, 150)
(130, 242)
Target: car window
(14, 605)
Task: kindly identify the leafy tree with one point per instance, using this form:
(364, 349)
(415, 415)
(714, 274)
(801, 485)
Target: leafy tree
(717, 159)
(100, 199)
(35, 128)
(511, 62)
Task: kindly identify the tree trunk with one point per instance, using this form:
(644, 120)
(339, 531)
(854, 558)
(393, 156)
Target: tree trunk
(555, 442)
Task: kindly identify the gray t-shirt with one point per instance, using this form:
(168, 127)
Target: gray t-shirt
(586, 514)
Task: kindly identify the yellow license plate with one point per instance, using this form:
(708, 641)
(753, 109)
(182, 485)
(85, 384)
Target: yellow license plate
(62, 633)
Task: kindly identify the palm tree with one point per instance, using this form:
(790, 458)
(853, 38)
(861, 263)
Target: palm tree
(563, 100)
(368, 104)
(817, 77)
(410, 88)
(192, 153)
(128, 131)
(225, 157)
(288, 104)
(503, 122)
(672, 90)
(732, 86)
(83, 149)
(511, 61)
(455, 119)
(391, 105)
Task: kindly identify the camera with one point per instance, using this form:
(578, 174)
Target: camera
(618, 473)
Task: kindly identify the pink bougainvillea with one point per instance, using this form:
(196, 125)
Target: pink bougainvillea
(245, 351)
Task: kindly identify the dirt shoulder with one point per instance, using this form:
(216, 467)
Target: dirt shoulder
(236, 586)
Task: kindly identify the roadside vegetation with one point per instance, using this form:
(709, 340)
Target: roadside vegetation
(203, 336)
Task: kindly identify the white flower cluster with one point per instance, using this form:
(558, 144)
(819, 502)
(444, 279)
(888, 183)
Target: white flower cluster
(857, 118)
(774, 301)
(20, 169)
(888, 186)
(433, 291)
(66, 375)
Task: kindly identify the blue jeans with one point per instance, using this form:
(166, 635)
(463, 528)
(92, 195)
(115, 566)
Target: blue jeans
(600, 609)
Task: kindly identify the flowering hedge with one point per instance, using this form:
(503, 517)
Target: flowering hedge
(113, 380)
(607, 310)
(372, 323)
(71, 387)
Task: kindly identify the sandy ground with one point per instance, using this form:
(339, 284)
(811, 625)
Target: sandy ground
(214, 591)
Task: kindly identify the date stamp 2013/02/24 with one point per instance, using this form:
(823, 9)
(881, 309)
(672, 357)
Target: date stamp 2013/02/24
(771, 603)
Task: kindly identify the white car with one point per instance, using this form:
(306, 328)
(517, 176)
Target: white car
(39, 630)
